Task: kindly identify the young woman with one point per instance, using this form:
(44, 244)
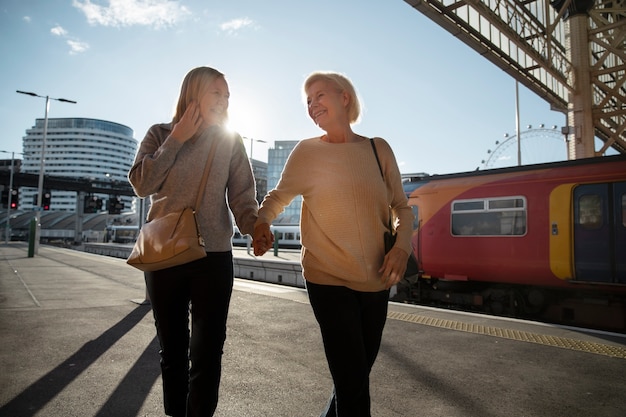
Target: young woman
(168, 168)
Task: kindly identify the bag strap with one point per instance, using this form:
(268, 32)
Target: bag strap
(383, 177)
(205, 174)
(377, 160)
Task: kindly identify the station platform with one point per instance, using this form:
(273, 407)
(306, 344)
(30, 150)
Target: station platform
(78, 340)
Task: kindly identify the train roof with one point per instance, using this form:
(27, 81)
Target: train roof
(523, 168)
(412, 183)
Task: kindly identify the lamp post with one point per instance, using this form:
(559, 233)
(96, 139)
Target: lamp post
(252, 145)
(41, 163)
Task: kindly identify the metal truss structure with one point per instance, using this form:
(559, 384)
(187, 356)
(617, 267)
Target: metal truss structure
(574, 59)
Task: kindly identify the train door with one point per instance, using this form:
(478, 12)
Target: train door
(599, 233)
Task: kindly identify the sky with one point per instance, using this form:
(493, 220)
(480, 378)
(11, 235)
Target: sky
(439, 104)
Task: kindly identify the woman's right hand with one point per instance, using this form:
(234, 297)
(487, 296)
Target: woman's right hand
(189, 124)
(263, 239)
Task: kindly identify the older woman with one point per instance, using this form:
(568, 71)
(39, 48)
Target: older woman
(347, 202)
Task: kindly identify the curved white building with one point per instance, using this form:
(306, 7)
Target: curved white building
(78, 148)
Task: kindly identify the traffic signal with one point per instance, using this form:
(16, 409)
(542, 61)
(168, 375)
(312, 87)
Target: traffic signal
(93, 204)
(14, 199)
(45, 200)
(115, 205)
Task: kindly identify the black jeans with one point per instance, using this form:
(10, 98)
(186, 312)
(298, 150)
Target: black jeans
(204, 286)
(351, 323)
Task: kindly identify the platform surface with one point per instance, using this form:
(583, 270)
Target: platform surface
(75, 342)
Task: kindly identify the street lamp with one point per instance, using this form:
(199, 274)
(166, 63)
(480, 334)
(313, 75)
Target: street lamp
(252, 144)
(41, 163)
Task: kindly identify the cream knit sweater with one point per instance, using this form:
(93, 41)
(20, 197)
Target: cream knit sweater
(170, 173)
(345, 209)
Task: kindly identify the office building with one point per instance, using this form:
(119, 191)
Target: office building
(277, 157)
(259, 170)
(77, 148)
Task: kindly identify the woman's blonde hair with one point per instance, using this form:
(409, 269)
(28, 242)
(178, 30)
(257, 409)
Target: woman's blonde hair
(193, 87)
(343, 84)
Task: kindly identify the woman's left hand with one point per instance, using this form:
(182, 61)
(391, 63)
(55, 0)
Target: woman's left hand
(394, 267)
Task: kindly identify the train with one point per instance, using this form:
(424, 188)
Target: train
(287, 236)
(122, 233)
(544, 241)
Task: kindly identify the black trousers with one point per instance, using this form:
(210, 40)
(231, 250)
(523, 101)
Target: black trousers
(351, 323)
(204, 287)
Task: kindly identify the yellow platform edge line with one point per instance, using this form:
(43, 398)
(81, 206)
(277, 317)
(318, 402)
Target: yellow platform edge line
(546, 340)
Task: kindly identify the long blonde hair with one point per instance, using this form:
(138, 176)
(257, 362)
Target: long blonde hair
(193, 87)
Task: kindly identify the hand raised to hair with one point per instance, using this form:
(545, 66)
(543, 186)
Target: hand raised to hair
(189, 124)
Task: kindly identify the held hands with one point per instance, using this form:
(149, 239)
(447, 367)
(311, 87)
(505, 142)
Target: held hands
(263, 239)
(189, 124)
(394, 267)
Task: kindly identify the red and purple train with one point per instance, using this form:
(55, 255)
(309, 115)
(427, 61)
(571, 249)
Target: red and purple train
(544, 241)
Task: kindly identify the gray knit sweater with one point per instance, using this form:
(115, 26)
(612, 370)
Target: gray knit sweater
(170, 173)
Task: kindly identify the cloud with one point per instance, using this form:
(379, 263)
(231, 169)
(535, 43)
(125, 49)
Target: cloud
(120, 13)
(234, 25)
(26, 19)
(77, 47)
(58, 31)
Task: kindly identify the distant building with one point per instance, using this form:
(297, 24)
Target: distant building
(259, 169)
(5, 164)
(277, 157)
(78, 148)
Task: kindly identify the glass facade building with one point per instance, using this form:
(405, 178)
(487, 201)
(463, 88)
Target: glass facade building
(276, 159)
(259, 170)
(78, 148)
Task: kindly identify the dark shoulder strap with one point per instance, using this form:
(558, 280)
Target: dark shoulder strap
(377, 160)
(383, 176)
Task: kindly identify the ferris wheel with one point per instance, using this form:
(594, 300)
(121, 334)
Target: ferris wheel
(537, 145)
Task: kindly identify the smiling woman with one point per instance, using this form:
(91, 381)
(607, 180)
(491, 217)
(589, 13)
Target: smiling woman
(169, 163)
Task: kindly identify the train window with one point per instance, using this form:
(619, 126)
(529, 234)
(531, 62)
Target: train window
(468, 205)
(590, 217)
(506, 203)
(123, 234)
(503, 216)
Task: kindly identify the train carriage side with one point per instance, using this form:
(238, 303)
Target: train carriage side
(478, 228)
(553, 226)
(517, 226)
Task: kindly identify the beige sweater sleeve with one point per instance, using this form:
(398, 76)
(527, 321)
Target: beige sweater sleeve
(345, 209)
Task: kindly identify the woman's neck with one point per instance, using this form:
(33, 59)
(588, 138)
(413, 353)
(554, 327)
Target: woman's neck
(344, 136)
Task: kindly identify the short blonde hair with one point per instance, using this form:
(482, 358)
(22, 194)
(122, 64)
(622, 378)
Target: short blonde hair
(343, 84)
(194, 85)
